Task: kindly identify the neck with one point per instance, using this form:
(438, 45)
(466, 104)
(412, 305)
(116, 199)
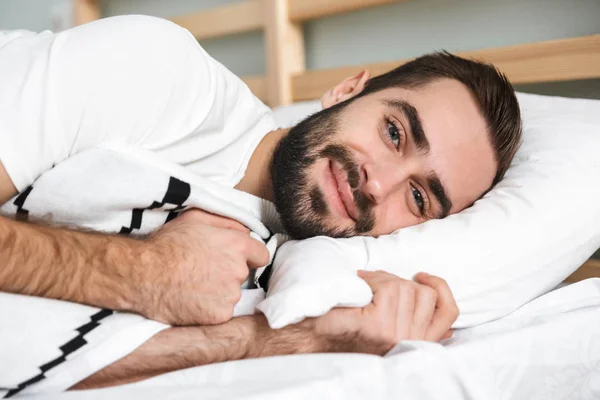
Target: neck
(257, 179)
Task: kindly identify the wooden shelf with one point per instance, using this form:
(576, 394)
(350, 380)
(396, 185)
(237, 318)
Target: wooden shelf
(244, 16)
(555, 60)
(304, 10)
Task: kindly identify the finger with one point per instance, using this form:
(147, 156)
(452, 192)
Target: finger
(383, 310)
(216, 221)
(448, 335)
(425, 302)
(375, 278)
(406, 310)
(446, 309)
(256, 253)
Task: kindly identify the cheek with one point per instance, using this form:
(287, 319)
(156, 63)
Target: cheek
(364, 139)
(393, 214)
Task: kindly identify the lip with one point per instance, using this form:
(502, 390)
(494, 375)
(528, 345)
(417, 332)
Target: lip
(343, 189)
(334, 197)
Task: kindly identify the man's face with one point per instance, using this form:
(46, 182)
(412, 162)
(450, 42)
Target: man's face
(384, 161)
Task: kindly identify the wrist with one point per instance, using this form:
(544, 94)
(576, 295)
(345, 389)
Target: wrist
(338, 330)
(234, 340)
(121, 272)
(299, 338)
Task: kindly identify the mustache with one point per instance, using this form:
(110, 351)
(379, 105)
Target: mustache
(343, 156)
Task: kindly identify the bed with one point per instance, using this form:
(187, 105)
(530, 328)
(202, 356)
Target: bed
(549, 348)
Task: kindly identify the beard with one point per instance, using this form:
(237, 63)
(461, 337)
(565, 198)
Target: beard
(301, 203)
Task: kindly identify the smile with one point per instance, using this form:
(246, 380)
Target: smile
(339, 192)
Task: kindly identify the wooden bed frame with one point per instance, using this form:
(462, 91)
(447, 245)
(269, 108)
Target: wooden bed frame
(287, 79)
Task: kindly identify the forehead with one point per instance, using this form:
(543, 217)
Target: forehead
(460, 150)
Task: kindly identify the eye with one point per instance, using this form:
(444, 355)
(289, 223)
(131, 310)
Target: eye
(394, 134)
(419, 199)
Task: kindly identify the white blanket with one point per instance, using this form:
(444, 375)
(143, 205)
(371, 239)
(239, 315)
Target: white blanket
(48, 345)
(548, 349)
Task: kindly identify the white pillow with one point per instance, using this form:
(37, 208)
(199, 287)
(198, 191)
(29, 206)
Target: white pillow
(522, 239)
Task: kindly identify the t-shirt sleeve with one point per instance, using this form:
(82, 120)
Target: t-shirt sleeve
(135, 79)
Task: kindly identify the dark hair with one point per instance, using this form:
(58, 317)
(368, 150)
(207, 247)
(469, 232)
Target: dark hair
(491, 89)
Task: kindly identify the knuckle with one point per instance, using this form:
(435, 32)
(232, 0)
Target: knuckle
(265, 257)
(239, 241)
(233, 294)
(454, 312)
(240, 273)
(236, 298)
(428, 293)
(440, 282)
(390, 286)
(407, 288)
(238, 293)
(223, 315)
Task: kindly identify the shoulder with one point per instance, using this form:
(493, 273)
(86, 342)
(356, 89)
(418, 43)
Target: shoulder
(138, 37)
(152, 28)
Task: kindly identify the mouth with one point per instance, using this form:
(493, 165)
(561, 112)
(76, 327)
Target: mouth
(343, 190)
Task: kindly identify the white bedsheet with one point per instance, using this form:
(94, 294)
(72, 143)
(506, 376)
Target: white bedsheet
(548, 349)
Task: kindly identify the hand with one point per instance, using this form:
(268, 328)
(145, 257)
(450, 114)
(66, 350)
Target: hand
(198, 262)
(400, 310)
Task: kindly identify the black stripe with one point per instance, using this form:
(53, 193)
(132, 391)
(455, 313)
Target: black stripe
(73, 345)
(265, 277)
(101, 315)
(67, 348)
(263, 280)
(87, 327)
(48, 366)
(177, 193)
(22, 214)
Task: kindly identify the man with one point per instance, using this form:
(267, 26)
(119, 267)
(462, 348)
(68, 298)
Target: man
(421, 142)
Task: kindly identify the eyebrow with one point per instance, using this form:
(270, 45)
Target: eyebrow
(422, 144)
(414, 122)
(436, 187)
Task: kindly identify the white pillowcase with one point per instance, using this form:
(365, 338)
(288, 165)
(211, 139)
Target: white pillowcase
(522, 239)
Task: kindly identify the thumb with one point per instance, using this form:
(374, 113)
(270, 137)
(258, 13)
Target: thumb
(216, 221)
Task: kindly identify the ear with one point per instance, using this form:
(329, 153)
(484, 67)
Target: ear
(346, 89)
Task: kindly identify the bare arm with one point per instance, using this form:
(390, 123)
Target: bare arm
(400, 310)
(189, 272)
(185, 347)
(61, 264)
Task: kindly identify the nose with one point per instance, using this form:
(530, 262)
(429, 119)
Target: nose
(379, 180)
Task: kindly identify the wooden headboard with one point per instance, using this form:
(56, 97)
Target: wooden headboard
(287, 79)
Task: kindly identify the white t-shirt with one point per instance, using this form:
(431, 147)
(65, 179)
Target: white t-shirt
(130, 80)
